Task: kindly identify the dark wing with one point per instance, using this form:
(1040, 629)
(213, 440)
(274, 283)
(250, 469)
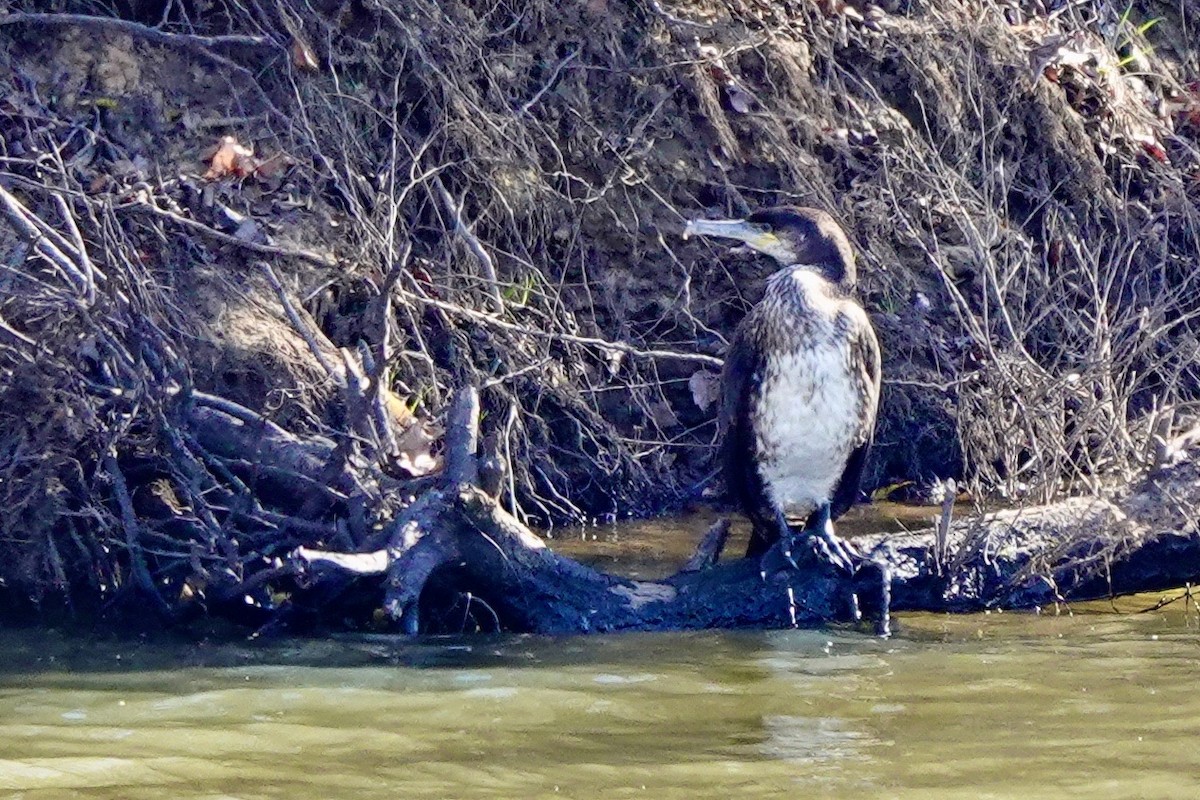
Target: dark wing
(865, 360)
(741, 380)
(739, 377)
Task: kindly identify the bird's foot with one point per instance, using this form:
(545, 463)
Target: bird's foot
(817, 541)
(814, 544)
(861, 576)
(820, 546)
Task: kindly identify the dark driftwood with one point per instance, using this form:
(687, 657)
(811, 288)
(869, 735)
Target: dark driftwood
(456, 560)
(1144, 539)
(484, 551)
(1073, 550)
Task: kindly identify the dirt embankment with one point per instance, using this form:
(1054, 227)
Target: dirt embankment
(325, 216)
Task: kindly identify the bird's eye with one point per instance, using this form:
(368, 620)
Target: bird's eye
(766, 227)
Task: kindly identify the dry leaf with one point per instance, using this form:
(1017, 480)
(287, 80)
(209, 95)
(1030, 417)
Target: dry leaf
(706, 388)
(614, 359)
(885, 492)
(1155, 150)
(399, 411)
(415, 444)
(739, 98)
(230, 158)
(303, 56)
(415, 437)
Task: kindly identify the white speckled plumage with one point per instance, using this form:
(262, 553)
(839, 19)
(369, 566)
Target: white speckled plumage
(811, 409)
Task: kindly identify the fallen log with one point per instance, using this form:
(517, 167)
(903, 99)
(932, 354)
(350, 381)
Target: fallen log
(456, 560)
(463, 540)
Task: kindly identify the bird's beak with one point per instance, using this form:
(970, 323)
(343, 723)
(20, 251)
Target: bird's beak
(746, 232)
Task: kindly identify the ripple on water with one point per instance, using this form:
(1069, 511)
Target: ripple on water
(608, 679)
(970, 707)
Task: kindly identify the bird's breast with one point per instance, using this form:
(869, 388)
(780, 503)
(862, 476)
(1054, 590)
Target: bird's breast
(808, 414)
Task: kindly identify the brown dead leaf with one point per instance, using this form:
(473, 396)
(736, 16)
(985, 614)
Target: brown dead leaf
(414, 438)
(1188, 106)
(1155, 150)
(399, 411)
(230, 158)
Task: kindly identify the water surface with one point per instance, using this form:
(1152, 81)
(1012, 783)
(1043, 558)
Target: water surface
(1097, 704)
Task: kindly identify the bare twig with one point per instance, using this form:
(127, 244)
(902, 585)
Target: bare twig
(36, 232)
(558, 68)
(146, 207)
(20, 337)
(137, 559)
(673, 19)
(942, 523)
(462, 438)
(191, 41)
(473, 243)
(302, 327)
(602, 344)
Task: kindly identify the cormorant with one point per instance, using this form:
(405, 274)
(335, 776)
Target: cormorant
(800, 386)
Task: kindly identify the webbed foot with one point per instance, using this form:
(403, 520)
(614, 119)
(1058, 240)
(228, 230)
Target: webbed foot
(814, 544)
(816, 540)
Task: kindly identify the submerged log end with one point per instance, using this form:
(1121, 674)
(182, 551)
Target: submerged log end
(708, 552)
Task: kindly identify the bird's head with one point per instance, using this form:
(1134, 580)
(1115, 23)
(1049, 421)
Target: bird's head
(792, 236)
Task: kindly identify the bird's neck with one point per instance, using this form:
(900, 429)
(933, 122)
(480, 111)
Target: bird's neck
(809, 281)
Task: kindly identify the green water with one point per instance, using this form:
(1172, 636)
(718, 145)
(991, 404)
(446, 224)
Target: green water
(1098, 704)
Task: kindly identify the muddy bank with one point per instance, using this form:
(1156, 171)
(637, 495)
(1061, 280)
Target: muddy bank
(319, 225)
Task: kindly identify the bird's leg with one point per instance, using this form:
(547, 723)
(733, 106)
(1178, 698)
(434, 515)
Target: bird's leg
(778, 557)
(816, 541)
(829, 547)
(818, 534)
